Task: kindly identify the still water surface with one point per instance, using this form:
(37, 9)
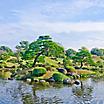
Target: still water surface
(16, 92)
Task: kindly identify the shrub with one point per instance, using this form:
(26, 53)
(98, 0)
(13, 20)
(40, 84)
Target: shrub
(2, 64)
(59, 77)
(39, 71)
(70, 69)
(41, 59)
(4, 56)
(67, 62)
(13, 60)
(29, 63)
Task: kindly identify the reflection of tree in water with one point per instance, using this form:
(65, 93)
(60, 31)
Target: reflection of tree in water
(83, 94)
(52, 100)
(26, 94)
(27, 99)
(21, 94)
(45, 100)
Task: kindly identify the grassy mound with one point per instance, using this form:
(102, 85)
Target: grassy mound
(39, 71)
(52, 63)
(85, 72)
(70, 69)
(59, 77)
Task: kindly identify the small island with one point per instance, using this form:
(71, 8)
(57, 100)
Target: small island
(44, 61)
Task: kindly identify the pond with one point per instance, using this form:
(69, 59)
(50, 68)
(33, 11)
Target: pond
(17, 92)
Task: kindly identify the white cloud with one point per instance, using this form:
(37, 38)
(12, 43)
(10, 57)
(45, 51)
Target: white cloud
(46, 19)
(59, 27)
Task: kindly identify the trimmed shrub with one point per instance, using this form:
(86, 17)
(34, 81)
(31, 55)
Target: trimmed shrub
(59, 77)
(70, 69)
(39, 71)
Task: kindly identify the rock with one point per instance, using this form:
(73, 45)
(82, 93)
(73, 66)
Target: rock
(67, 81)
(77, 82)
(76, 67)
(51, 79)
(62, 70)
(42, 81)
(28, 80)
(78, 76)
(69, 74)
(10, 78)
(36, 80)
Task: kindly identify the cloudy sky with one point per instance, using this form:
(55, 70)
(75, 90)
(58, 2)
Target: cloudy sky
(73, 23)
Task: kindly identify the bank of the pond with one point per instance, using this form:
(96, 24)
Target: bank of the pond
(40, 75)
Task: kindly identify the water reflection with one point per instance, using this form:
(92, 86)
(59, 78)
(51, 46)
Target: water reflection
(82, 94)
(16, 92)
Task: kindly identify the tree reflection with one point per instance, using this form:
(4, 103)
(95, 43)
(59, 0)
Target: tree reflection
(42, 99)
(27, 99)
(82, 94)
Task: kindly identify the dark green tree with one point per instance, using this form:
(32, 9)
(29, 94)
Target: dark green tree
(21, 49)
(6, 49)
(43, 46)
(70, 53)
(83, 56)
(96, 51)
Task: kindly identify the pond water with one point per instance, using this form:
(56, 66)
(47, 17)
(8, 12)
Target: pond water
(16, 92)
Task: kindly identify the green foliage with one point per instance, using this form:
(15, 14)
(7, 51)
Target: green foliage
(51, 55)
(12, 60)
(4, 56)
(48, 47)
(47, 37)
(83, 56)
(6, 50)
(51, 62)
(41, 59)
(2, 63)
(59, 77)
(100, 64)
(29, 63)
(39, 71)
(29, 54)
(67, 62)
(98, 52)
(45, 45)
(84, 75)
(22, 47)
(70, 69)
(70, 53)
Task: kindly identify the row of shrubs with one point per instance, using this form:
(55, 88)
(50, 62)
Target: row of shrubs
(57, 76)
(39, 71)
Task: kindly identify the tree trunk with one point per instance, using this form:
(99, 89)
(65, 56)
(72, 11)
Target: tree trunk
(36, 58)
(81, 64)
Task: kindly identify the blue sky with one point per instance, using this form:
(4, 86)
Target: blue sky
(73, 23)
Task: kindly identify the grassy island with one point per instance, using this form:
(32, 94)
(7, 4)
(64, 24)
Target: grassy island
(44, 61)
